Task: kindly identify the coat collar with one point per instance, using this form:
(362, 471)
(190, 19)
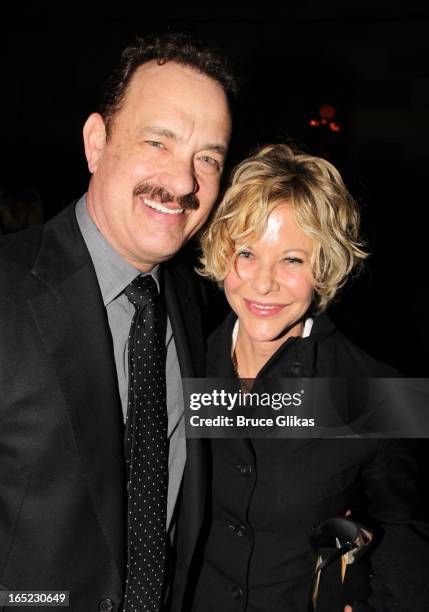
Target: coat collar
(296, 357)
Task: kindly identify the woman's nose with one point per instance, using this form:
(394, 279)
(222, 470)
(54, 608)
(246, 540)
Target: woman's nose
(264, 280)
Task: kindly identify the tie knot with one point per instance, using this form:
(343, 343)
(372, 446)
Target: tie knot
(142, 291)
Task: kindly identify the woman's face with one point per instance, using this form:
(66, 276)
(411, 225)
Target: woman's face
(271, 286)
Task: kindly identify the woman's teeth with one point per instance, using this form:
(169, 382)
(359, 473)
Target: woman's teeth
(261, 307)
(160, 208)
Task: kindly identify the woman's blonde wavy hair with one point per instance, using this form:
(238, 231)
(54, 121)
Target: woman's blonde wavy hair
(324, 210)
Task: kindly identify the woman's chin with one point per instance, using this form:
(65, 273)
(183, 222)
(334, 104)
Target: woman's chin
(258, 333)
(265, 331)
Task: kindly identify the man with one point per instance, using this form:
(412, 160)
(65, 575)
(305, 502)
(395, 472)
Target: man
(79, 511)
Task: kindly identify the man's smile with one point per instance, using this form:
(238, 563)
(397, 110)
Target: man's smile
(161, 208)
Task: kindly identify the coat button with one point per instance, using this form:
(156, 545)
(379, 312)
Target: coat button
(106, 605)
(296, 369)
(239, 530)
(237, 592)
(245, 470)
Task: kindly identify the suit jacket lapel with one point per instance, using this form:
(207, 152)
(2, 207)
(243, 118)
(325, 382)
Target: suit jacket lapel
(183, 311)
(185, 321)
(72, 322)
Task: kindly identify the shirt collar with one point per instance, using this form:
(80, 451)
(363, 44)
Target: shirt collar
(113, 272)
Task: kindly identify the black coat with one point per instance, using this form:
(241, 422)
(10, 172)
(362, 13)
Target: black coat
(267, 495)
(62, 488)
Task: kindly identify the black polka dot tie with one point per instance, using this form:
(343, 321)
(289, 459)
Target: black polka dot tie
(146, 450)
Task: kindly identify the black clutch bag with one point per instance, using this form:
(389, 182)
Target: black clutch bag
(338, 544)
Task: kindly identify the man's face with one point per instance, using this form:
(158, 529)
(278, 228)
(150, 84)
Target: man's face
(156, 178)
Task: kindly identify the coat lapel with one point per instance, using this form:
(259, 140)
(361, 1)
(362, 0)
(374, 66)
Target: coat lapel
(185, 318)
(72, 322)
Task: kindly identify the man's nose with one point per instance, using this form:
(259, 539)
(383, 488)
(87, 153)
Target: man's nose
(179, 178)
(264, 281)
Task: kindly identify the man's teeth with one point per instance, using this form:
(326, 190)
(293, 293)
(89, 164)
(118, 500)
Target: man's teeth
(161, 208)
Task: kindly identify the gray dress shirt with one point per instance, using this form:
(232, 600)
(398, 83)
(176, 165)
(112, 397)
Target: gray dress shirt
(113, 275)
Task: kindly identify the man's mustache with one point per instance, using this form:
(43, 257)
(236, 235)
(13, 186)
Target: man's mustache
(188, 201)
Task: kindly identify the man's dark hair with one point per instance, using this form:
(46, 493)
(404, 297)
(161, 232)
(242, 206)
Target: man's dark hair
(179, 48)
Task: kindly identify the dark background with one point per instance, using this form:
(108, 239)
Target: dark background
(371, 61)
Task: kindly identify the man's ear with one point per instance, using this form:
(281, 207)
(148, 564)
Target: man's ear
(94, 138)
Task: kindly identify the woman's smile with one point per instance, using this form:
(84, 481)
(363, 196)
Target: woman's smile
(263, 309)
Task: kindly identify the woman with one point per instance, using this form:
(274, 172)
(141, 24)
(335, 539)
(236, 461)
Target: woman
(283, 241)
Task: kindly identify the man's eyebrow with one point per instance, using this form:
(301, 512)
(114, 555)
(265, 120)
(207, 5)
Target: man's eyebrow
(216, 148)
(157, 130)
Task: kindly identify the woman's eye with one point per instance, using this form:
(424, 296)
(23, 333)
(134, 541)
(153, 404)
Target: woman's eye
(293, 260)
(245, 254)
